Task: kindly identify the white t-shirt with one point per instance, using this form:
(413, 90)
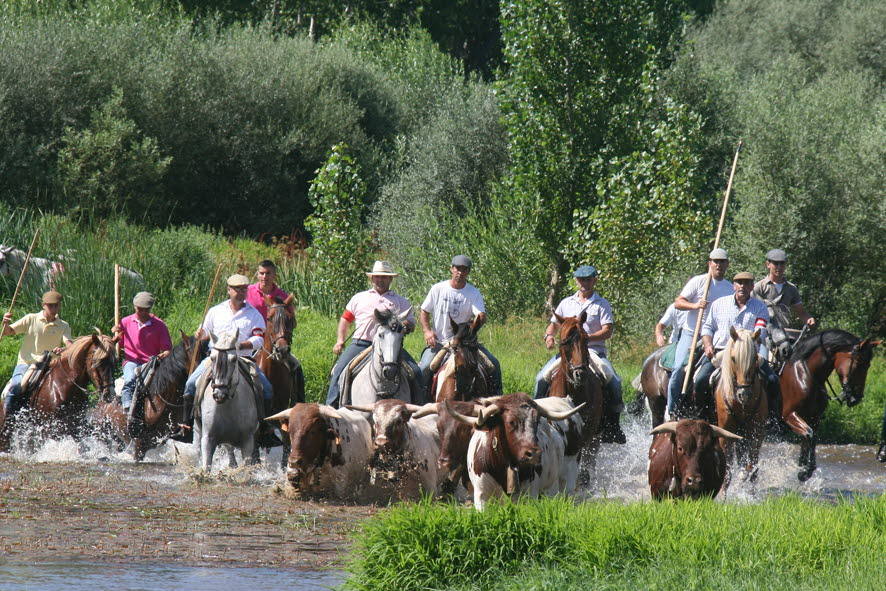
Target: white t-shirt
(445, 302)
(694, 290)
(674, 318)
(247, 321)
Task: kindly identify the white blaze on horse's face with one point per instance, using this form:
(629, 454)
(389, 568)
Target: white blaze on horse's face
(223, 359)
(389, 337)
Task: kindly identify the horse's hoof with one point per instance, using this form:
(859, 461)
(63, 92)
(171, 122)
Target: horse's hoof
(804, 475)
(881, 453)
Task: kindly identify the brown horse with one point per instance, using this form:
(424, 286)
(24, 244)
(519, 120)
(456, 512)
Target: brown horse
(155, 399)
(740, 399)
(61, 398)
(803, 394)
(575, 379)
(465, 373)
(653, 389)
(282, 369)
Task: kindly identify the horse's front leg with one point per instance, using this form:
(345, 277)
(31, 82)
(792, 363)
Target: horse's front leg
(807, 458)
(207, 451)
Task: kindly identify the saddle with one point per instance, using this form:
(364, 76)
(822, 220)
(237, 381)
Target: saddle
(600, 369)
(356, 365)
(36, 372)
(248, 372)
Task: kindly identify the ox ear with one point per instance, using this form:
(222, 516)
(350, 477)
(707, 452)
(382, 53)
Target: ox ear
(720, 432)
(733, 333)
(282, 418)
(669, 427)
(431, 408)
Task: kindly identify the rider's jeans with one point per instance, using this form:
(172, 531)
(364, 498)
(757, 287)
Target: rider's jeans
(14, 385)
(129, 368)
(675, 385)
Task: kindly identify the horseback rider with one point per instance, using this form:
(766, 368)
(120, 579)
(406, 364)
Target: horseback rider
(361, 310)
(690, 300)
(143, 336)
(675, 319)
(265, 286)
(738, 310)
(781, 298)
(598, 326)
(452, 300)
(43, 331)
(234, 314)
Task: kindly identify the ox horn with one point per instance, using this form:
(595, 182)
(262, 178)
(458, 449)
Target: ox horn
(283, 415)
(328, 411)
(558, 416)
(669, 427)
(432, 408)
(359, 408)
(473, 421)
(721, 432)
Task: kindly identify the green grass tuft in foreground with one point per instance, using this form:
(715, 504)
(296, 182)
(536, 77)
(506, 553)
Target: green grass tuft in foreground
(555, 544)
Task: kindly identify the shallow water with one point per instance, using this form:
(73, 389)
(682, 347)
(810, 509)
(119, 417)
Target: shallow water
(75, 575)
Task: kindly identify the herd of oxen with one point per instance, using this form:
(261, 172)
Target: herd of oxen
(381, 447)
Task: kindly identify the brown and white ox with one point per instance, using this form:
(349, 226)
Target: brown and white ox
(514, 449)
(329, 450)
(686, 460)
(405, 449)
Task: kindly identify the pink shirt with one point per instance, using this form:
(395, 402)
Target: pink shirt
(361, 309)
(143, 341)
(256, 298)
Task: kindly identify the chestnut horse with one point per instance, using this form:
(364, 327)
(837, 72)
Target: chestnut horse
(740, 399)
(465, 374)
(61, 398)
(281, 368)
(574, 378)
(803, 394)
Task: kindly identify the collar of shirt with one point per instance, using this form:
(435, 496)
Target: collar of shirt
(591, 300)
(141, 324)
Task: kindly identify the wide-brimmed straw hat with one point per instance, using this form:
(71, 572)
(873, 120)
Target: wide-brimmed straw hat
(383, 268)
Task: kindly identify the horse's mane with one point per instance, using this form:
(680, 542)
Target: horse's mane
(745, 349)
(169, 371)
(831, 340)
(76, 347)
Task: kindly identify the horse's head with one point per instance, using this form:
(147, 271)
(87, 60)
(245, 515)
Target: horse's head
(740, 363)
(281, 324)
(465, 348)
(101, 363)
(574, 347)
(223, 360)
(388, 341)
(852, 367)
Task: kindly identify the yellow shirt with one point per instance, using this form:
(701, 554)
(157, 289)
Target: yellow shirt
(40, 336)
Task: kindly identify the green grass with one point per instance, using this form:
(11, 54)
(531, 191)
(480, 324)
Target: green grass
(554, 544)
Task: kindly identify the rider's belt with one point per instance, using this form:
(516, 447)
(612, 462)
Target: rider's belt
(361, 342)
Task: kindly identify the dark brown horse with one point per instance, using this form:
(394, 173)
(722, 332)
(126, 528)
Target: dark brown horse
(60, 399)
(465, 374)
(653, 388)
(803, 394)
(575, 378)
(282, 370)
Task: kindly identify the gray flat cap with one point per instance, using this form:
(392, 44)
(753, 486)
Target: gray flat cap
(461, 260)
(718, 254)
(776, 255)
(143, 299)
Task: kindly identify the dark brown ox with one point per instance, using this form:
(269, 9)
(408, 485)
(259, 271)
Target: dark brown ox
(454, 438)
(685, 460)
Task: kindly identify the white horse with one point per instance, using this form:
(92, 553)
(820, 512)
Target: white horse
(230, 415)
(384, 376)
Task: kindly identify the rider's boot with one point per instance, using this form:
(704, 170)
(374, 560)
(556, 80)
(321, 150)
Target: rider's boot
(611, 429)
(184, 431)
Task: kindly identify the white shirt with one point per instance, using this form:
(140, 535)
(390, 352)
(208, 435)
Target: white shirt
(445, 302)
(247, 321)
(599, 314)
(694, 290)
(675, 319)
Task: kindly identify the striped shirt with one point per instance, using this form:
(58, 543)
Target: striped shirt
(725, 314)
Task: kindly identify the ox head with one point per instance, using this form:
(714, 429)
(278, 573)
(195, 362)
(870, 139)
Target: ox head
(313, 440)
(389, 418)
(695, 452)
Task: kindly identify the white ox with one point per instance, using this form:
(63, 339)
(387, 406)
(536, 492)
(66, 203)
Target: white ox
(404, 460)
(515, 449)
(330, 451)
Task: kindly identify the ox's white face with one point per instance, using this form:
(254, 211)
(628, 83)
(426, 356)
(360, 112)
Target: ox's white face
(389, 418)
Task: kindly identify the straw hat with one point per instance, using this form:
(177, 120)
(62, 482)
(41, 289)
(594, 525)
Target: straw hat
(383, 268)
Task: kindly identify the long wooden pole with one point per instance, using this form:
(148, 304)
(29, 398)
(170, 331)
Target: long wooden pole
(707, 286)
(20, 278)
(203, 317)
(117, 303)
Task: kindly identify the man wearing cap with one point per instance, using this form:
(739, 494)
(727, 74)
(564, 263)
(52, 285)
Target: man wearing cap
(265, 286)
(361, 310)
(781, 297)
(738, 310)
(143, 335)
(43, 331)
(234, 314)
(598, 326)
(690, 300)
(458, 300)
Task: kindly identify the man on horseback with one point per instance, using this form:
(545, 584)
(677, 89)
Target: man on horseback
(43, 331)
(452, 300)
(672, 318)
(265, 286)
(598, 326)
(361, 310)
(144, 336)
(690, 300)
(781, 298)
(739, 310)
(234, 314)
